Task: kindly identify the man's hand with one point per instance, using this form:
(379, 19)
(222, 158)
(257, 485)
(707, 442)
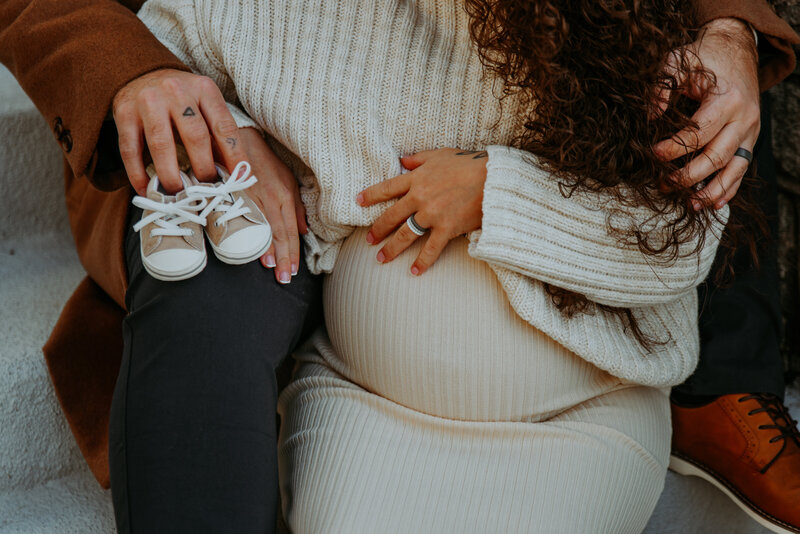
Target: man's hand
(163, 104)
(729, 114)
(278, 196)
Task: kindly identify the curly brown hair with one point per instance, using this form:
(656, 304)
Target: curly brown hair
(587, 75)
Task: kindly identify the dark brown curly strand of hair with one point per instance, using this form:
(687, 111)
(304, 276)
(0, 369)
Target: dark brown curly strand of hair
(586, 75)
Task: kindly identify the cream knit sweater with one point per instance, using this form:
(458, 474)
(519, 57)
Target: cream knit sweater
(347, 87)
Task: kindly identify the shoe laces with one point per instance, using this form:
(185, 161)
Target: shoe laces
(783, 422)
(220, 197)
(170, 214)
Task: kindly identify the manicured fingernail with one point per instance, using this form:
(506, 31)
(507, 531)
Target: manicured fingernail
(415, 270)
(696, 205)
(271, 261)
(285, 278)
(294, 269)
(381, 257)
(721, 204)
(360, 199)
(370, 238)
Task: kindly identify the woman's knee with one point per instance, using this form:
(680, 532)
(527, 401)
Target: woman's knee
(639, 413)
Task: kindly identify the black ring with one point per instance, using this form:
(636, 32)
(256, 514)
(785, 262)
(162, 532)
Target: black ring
(415, 227)
(744, 153)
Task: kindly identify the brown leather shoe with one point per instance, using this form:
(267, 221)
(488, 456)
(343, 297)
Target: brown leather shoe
(749, 447)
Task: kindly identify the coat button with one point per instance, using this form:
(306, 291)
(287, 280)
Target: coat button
(58, 127)
(66, 141)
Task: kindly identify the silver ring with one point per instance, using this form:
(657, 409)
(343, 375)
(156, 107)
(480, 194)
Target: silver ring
(415, 227)
(744, 153)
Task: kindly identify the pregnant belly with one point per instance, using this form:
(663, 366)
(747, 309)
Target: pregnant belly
(446, 343)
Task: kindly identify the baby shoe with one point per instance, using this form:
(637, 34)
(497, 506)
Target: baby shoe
(236, 229)
(171, 237)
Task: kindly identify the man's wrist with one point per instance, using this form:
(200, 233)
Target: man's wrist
(738, 33)
(732, 28)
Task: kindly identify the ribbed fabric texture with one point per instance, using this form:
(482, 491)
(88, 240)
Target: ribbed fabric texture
(446, 344)
(352, 462)
(434, 408)
(480, 422)
(347, 87)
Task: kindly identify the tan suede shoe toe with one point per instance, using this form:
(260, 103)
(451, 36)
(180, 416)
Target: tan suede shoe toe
(170, 232)
(236, 229)
(749, 447)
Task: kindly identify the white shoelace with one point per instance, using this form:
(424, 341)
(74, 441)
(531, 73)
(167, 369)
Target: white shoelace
(219, 195)
(168, 216)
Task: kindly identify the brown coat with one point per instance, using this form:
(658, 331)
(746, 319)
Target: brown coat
(71, 57)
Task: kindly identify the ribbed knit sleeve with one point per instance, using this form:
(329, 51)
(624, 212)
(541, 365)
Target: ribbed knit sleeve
(604, 340)
(530, 228)
(178, 24)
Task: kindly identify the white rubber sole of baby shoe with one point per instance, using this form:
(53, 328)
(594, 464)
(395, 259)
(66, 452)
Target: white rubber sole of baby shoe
(184, 274)
(242, 258)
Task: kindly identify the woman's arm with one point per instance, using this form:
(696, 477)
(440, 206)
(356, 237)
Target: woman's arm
(529, 227)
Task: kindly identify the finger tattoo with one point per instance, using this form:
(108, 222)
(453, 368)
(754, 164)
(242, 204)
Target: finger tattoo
(476, 154)
(188, 112)
(231, 141)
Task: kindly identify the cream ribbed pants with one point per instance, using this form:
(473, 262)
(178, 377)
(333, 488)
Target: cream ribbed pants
(432, 407)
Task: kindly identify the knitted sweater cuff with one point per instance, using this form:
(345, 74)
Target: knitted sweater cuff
(530, 227)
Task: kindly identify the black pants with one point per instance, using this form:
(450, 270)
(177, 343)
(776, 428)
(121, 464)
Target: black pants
(193, 424)
(740, 325)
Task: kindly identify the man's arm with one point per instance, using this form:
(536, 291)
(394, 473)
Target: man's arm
(80, 60)
(71, 57)
(778, 36)
(729, 114)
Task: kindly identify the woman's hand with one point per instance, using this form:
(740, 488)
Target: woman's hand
(278, 196)
(444, 192)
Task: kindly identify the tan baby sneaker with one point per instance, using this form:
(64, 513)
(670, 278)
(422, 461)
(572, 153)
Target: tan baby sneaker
(237, 230)
(171, 234)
